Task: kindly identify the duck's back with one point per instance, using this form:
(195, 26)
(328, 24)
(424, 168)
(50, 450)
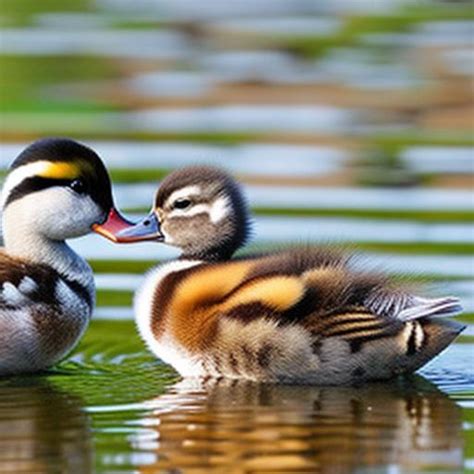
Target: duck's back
(302, 315)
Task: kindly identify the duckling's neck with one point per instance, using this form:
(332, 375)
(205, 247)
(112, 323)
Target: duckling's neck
(22, 241)
(214, 254)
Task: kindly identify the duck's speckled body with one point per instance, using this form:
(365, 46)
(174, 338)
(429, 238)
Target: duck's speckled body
(300, 315)
(55, 190)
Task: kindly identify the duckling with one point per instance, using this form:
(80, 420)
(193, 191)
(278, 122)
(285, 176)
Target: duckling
(56, 189)
(296, 316)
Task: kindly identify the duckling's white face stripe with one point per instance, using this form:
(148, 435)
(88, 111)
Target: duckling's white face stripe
(219, 209)
(42, 169)
(216, 211)
(183, 193)
(192, 211)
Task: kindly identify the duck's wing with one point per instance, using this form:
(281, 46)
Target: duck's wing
(23, 284)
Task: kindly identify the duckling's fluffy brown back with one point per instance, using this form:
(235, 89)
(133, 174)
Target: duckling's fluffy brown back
(301, 315)
(331, 281)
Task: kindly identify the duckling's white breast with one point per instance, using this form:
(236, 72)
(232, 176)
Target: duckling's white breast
(164, 347)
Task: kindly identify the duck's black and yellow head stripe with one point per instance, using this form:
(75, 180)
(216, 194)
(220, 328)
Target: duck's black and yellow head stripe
(58, 162)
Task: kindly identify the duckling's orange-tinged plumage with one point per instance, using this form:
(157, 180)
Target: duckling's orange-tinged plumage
(300, 315)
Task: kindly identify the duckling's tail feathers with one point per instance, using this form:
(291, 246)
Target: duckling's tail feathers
(430, 308)
(339, 288)
(423, 319)
(403, 305)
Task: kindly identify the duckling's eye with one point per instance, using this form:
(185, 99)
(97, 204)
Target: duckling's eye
(78, 186)
(181, 204)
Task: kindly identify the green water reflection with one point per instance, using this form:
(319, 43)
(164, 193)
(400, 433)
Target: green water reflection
(114, 408)
(43, 428)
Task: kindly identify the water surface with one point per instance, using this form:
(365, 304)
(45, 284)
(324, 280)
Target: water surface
(114, 408)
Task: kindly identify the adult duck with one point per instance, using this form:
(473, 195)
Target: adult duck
(56, 189)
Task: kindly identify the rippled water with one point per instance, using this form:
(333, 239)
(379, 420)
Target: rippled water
(114, 408)
(251, 159)
(307, 197)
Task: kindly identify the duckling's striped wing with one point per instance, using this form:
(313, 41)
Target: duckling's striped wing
(323, 291)
(333, 302)
(23, 284)
(287, 300)
(388, 317)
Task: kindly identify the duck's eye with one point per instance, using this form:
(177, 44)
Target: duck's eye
(182, 204)
(78, 186)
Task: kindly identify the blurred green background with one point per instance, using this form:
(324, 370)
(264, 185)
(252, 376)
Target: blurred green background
(376, 80)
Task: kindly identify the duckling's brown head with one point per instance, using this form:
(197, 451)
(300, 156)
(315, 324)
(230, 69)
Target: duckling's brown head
(200, 210)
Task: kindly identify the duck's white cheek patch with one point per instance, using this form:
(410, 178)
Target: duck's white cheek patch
(219, 209)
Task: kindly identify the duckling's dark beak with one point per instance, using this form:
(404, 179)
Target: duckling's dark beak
(114, 223)
(146, 229)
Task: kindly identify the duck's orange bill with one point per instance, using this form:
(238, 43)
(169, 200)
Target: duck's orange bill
(114, 224)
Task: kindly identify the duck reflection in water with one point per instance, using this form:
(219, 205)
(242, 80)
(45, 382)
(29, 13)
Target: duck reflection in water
(42, 429)
(234, 426)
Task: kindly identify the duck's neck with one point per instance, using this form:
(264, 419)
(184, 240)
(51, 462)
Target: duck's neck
(24, 242)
